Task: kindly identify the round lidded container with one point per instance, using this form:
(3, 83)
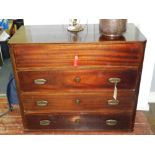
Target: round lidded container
(112, 27)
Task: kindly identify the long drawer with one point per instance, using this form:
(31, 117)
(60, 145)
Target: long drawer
(79, 122)
(65, 102)
(78, 79)
(88, 55)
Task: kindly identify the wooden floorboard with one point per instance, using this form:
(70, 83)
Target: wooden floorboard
(11, 124)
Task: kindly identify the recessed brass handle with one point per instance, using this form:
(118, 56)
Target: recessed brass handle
(77, 79)
(114, 80)
(111, 122)
(40, 81)
(78, 101)
(45, 122)
(113, 102)
(42, 103)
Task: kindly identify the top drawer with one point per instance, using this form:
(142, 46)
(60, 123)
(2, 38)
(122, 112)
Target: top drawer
(61, 55)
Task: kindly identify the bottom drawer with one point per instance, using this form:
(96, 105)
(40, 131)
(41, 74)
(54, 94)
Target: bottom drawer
(82, 122)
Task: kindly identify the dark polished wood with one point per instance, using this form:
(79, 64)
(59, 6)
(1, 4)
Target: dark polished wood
(66, 81)
(81, 102)
(59, 34)
(11, 124)
(77, 79)
(61, 55)
(79, 122)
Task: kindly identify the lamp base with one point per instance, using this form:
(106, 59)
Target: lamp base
(76, 28)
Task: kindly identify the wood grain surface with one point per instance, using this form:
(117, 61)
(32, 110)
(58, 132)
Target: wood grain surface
(55, 67)
(59, 34)
(78, 102)
(78, 79)
(80, 122)
(11, 124)
(60, 55)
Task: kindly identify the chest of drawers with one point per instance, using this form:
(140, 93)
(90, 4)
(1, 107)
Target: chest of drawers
(77, 82)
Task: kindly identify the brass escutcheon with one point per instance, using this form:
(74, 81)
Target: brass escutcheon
(77, 101)
(77, 79)
(77, 121)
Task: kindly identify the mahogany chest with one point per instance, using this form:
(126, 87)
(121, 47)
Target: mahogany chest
(77, 81)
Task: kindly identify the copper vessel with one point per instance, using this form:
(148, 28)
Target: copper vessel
(112, 27)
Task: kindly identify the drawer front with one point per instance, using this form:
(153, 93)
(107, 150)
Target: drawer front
(82, 102)
(77, 79)
(88, 55)
(78, 122)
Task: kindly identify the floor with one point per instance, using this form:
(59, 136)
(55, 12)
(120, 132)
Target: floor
(150, 115)
(11, 124)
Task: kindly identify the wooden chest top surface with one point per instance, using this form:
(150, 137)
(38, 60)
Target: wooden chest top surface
(59, 34)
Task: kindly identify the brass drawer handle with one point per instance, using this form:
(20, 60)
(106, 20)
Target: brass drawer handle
(77, 79)
(113, 102)
(40, 81)
(78, 101)
(111, 122)
(45, 122)
(42, 103)
(115, 81)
